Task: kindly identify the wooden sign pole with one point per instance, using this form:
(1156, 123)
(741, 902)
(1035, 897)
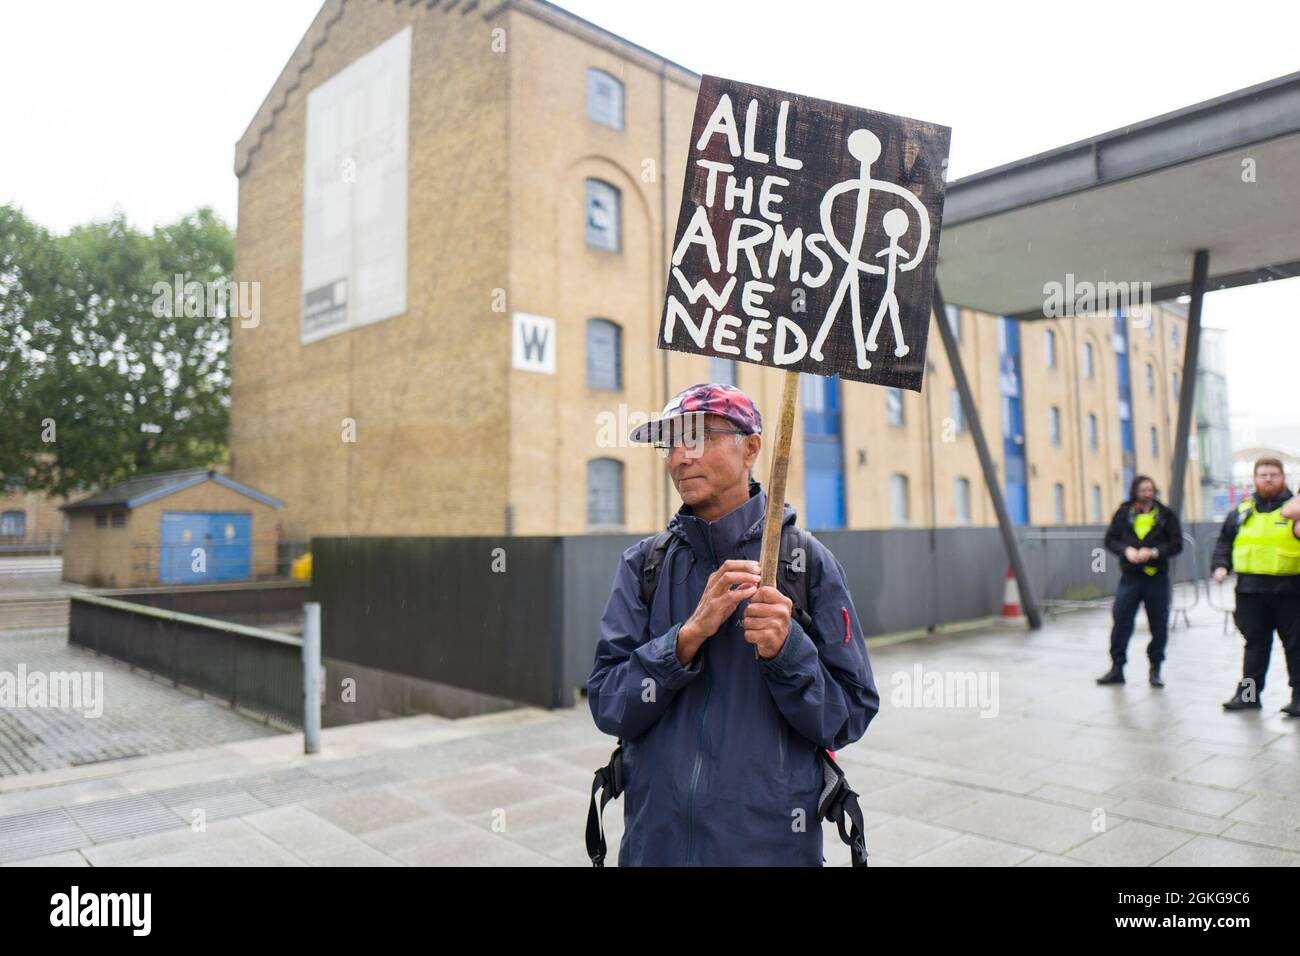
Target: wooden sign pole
(771, 551)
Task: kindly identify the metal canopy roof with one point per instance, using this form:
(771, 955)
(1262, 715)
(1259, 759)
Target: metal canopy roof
(1134, 205)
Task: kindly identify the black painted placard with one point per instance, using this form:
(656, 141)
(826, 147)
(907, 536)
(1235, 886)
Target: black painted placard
(807, 237)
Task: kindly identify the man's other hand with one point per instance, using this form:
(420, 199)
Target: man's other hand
(767, 621)
(732, 583)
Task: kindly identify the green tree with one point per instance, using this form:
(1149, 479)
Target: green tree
(93, 355)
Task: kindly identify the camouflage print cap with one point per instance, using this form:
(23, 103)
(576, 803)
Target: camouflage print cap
(711, 399)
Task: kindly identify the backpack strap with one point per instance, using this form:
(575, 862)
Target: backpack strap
(839, 805)
(792, 581)
(655, 554)
(608, 783)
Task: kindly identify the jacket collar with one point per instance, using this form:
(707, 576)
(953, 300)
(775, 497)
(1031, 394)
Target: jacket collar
(1271, 504)
(713, 540)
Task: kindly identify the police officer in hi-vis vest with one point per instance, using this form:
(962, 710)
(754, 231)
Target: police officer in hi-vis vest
(1144, 533)
(1260, 543)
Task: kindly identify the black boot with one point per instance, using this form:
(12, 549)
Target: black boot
(1113, 676)
(1293, 709)
(1239, 699)
(1154, 676)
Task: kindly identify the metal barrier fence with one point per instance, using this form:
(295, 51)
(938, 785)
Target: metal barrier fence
(254, 670)
(1222, 598)
(517, 617)
(1070, 568)
(260, 604)
(9, 547)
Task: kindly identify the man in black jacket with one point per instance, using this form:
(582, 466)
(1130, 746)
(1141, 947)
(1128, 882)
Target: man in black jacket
(1260, 542)
(1144, 534)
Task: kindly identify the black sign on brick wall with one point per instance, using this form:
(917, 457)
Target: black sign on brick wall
(807, 237)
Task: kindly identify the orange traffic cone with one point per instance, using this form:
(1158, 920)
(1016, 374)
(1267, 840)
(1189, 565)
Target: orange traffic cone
(1011, 610)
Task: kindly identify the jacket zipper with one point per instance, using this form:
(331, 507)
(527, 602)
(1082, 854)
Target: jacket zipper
(695, 771)
(699, 752)
(704, 713)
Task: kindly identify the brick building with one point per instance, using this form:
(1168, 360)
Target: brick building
(28, 518)
(460, 214)
(192, 526)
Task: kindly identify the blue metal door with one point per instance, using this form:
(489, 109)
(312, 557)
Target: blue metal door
(232, 535)
(823, 452)
(224, 537)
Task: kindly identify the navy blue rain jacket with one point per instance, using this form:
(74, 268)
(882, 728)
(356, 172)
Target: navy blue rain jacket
(720, 757)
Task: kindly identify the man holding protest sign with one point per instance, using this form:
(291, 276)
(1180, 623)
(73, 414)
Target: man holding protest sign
(799, 217)
(719, 753)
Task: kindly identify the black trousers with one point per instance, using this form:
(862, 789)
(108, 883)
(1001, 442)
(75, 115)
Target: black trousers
(1257, 617)
(1153, 590)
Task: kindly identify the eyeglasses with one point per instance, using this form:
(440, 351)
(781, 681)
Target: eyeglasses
(692, 439)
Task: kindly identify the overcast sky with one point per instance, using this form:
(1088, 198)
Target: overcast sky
(136, 105)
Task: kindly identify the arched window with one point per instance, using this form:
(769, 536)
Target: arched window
(604, 99)
(601, 215)
(894, 406)
(1049, 343)
(962, 501)
(1058, 502)
(899, 506)
(604, 493)
(955, 410)
(604, 354)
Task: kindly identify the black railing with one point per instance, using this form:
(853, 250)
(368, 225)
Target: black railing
(274, 604)
(254, 670)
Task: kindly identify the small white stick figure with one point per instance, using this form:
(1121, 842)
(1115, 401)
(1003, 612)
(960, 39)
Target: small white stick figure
(895, 223)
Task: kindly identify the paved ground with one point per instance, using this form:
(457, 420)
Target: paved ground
(139, 715)
(1066, 773)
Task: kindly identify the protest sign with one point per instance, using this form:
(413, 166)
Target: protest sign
(807, 236)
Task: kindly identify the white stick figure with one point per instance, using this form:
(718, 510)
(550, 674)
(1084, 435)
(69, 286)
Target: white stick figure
(864, 146)
(895, 223)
